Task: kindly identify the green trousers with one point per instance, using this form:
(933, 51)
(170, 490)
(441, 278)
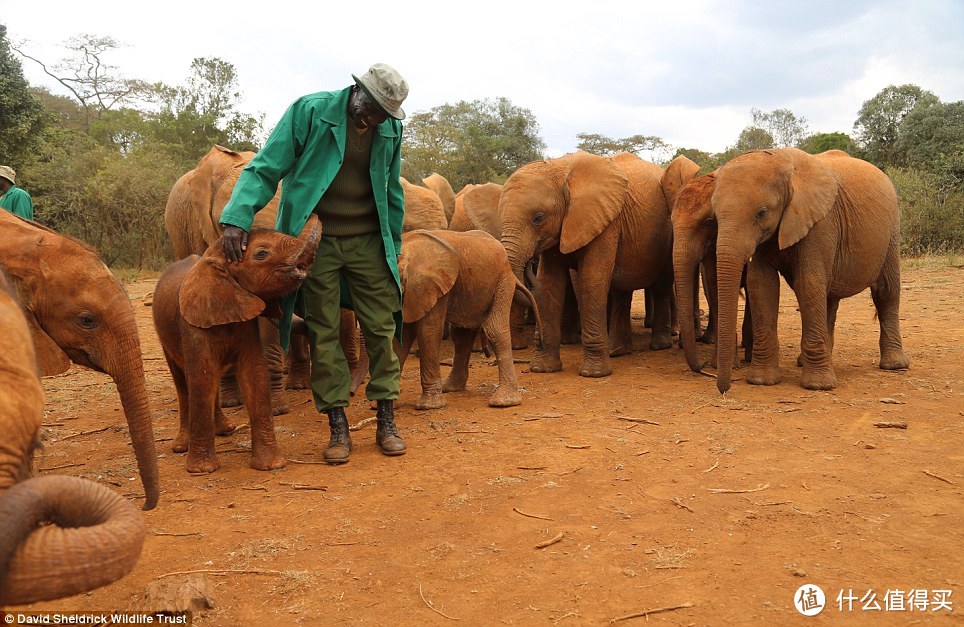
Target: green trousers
(357, 261)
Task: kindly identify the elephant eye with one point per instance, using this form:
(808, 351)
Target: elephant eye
(261, 254)
(86, 320)
(761, 213)
(539, 218)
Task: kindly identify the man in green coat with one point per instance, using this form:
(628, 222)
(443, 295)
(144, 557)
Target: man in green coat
(338, 154)
(12, 198)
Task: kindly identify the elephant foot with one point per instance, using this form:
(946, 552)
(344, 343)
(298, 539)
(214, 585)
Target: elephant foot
(230, 398)
(800, 361)
(430, 401)
(595, 370)
(894, 360)
(546, 363)
(202, 464)
(222, 426)
(454, 384)
(505, 396)
(279, 405)
(818, 379)
(621, 349)
(181, 442)
(298, 381)
(707, 338)
(661, 341)
(760, 376)
(268, 459)
(279, 410)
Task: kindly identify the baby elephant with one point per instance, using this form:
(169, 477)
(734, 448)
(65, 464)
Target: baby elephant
(205, 313)
(463, 279)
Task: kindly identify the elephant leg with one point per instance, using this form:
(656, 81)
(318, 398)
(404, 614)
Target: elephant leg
(183, 439)
(429, 342)
(885, 293)
(593, 294)
(570, 327)
(517, 325)
(274, 359)
(222, 424)
(647, 309)
(361, 368)
(402, 349)
(764, 282)
(299, 364)
(747, 329)
(550, 294)
(811, 291)
(620, 325)
(202, 395)
(662, 336)
(253, 379)
(463, 339)
(496, 328)
(230, 395)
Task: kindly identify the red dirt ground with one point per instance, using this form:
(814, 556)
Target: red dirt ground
(716, 508)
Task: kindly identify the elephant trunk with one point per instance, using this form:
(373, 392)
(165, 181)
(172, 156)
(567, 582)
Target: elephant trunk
(95, 538)
(729, 264)
(686, 260)
(519, 253)
(128, 374)
(310, 237)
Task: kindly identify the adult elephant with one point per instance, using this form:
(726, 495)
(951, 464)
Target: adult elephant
(606, 217)
(59, 536)
(443, 189)
(79, 312)
(192, 218)
(477, 207)
(829, 224)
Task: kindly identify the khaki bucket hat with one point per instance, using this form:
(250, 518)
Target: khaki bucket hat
(8, 173)
(386, 86)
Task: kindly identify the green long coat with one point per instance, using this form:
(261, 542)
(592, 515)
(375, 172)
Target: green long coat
(306, 150)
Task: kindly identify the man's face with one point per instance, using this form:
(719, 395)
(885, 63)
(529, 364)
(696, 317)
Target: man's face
(364, 111)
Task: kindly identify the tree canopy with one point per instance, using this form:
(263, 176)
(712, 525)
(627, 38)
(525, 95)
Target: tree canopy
(21, 113)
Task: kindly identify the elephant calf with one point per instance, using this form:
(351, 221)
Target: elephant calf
(463, 279)
(205, 313)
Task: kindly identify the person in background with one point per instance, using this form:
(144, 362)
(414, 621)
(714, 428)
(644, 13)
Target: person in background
(339, 156)
(12, 198)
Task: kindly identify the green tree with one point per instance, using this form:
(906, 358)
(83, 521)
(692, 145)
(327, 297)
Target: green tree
(707, 161)
(932, 137)
(782, 125)
(21, 113)
(471, 142)
(822, 142)
(879, 120)
(605, 146)
(753, 138)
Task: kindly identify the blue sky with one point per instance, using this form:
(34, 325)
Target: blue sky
(687, 71)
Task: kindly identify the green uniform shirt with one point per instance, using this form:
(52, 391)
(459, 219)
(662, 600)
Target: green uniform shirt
(305, 152)
(17, 202)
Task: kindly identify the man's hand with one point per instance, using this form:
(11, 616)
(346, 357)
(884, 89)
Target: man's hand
(235, 242)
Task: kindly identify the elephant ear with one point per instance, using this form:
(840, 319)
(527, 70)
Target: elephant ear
(209, 296)
(679, 172)
(51, 359)
(431, 266)
(481, 204)
(813, 193)
(596, 189)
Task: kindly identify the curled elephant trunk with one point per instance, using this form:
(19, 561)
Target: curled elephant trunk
(94, 537)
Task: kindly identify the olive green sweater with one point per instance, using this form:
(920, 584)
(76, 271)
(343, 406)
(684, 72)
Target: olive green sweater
(348, 207)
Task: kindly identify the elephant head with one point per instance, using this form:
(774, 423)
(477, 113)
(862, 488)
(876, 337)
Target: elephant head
(694, 237)
(758, 196)
(423, 208)
(78, 311)
(477, 207)
(563, 202)
(440, 185)
(95, 536)
(216, 291)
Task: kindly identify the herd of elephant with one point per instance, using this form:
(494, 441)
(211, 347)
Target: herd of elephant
(600, 227)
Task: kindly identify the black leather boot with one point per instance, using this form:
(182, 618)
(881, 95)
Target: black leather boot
(339, 447)
(386, 435)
